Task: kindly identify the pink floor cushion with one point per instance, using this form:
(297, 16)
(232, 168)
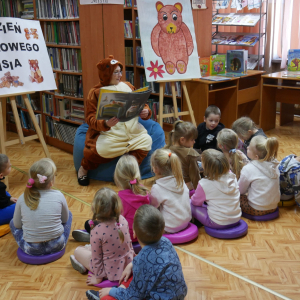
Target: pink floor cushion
(234, 232)
(267, 217)
(41, 259)
(136, 247)
(106, 283)
(184, 236)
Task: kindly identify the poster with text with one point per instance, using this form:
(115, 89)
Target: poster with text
(24, 60)
(168, 40)
(102, 2)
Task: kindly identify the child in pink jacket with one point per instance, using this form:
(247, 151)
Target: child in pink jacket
(133, 194)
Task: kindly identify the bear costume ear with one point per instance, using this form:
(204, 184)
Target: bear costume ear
(159, 5)
(178, 6)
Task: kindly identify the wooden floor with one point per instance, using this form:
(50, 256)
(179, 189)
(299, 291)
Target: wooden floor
(269, 255)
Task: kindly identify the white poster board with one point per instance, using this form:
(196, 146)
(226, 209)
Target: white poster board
(24, 61)
(168, 40)
(82, 2)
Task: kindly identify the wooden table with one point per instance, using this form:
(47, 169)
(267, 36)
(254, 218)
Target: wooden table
(236, 97)
(278, 88)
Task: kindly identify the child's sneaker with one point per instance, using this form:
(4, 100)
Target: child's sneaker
(92, 295)
(81, 236)
(77, 265)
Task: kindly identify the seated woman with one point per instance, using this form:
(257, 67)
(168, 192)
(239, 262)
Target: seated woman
(106, 140)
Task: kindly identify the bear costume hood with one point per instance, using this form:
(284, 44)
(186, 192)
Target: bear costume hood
(106, 68)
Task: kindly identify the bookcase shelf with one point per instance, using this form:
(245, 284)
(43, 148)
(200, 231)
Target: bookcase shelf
(63, 46)
(67, 72)
(58, 20)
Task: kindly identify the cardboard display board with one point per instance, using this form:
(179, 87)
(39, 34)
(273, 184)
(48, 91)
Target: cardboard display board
(168, 40)
(24, 60)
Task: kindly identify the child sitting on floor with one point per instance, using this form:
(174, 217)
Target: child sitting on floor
(42, 220)
(208, 130)
(7, 202)
(156, 270)
(260, 178)
(246, 129)
(228, 142)
(220, 190)
(170, 194)
(111, 248)
(289, 169)
(133, 194)
(181, 141)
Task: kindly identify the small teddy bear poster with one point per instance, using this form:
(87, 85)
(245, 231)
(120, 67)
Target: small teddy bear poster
(24, 62)
(168, 40)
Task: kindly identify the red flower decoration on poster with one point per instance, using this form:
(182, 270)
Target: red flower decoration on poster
(156, 70)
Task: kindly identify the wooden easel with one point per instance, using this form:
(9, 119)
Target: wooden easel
(176, 114)
(21, 139)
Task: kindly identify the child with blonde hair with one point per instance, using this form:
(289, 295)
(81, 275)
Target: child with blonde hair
(246, 129)
(133, 194)
(228, 142)
(220, 190)
(111, 248)
(7, 202)
(260, 178)
(170, 194)
(181, 141)
(42, 220)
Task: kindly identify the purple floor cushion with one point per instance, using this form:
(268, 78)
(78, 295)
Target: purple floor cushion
(136, 247)
(268, 217)
(237, 231)
(186, 235)
(105, 172)
(106, 283)
(41, 259)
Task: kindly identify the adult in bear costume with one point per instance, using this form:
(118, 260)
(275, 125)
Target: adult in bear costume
(106, 140)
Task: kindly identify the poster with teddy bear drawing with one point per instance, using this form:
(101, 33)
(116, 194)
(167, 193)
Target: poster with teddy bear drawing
(168, 40)
(24, 62)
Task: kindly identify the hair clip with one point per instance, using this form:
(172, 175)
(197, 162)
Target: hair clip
(232, 151)
(170, 154)
(30, 183)
(42, 178)
(133, 181)
(118, 225)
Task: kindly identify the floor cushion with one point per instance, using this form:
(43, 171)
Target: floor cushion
(41, 259)
(186, 235)
(266, 217)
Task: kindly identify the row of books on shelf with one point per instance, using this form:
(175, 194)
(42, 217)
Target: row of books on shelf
(62, 33)
(27, 12)
(70, 85)
(154, 86)
(34, 102)
(130, 76)
(129, 56)
(26, 121)
(63, 108)
(128, 3)
(10, 8)
(235, 19)
(139, 56)
(65, 59)
(61, 131)
(235, 38)
(128, 29)
(234, 63)
(57, 9)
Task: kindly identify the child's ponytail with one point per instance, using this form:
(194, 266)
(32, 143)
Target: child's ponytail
(266, 148)
(41, 174)
(167, 163)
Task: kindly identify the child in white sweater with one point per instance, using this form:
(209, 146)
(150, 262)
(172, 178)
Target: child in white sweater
(220, 190)
(170, 194)
(260, 178)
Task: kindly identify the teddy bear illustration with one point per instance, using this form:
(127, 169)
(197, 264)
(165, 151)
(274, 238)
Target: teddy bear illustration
(36, 75)
(27, 33)
(171, 38)
(34, 34)
(7, 81)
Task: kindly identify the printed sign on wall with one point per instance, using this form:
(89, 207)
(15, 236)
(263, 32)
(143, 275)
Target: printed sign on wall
(24, 61)
(168, 40)
(102, 2)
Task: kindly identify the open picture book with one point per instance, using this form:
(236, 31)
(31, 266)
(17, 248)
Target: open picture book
(122, 105)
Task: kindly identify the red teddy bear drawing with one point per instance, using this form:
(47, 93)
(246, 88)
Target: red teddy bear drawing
(171, 39)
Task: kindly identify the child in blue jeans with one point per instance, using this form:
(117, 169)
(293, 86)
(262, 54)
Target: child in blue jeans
(7, 202)
(157, 272)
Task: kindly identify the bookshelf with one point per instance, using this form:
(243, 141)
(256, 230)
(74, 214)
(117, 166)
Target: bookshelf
(134, 67)
(77, 38)
(240, 38)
